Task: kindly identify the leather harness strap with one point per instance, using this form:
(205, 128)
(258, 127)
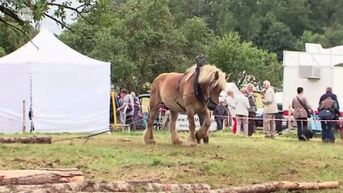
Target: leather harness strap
(178, 91)
(197, 89)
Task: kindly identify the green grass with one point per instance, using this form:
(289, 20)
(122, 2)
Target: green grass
(227, 160)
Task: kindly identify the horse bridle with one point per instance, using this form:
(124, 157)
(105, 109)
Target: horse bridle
(210, 104)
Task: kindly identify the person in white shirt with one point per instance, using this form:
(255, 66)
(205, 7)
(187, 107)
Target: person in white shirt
(242, 111)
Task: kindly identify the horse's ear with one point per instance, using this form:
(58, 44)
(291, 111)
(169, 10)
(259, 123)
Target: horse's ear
(227, 76)
(216, 75)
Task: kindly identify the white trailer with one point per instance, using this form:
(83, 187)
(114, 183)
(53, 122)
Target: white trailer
(314, 70)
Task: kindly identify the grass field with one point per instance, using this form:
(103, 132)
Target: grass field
(227, 160)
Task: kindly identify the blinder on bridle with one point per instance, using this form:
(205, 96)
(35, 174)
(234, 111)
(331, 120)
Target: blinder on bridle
(211, 105)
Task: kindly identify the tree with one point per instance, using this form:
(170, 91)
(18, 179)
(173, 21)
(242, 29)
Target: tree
(294, 14)
(139, 38)
(333, 36)
(244, 62)
(20, 14)
(197, 35)
(276, 38)
(10, 39)
(2, 52)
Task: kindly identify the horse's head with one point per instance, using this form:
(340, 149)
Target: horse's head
(212, 81)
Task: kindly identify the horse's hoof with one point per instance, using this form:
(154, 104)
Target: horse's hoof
(189, 144)
(177, 142)
(206, 140)
(197, 137)
(151, 141)
(192, 144)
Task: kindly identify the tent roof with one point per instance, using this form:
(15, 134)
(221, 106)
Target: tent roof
(45, 48)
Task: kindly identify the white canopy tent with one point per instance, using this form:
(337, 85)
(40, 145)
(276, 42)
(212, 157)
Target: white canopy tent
(69, 92)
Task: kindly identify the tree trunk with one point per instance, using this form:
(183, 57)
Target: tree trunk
(34, 177)
(34, 139)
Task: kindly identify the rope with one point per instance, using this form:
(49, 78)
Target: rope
(282, 119)
(87, 137)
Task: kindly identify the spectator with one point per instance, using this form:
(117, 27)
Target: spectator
(301, 111)
(242, 111)
(231, 104)
(137, 114)
(270, 109)
(118, 104)
(220, 113)
(328, 111)
(136, 103)
(252, 109)
(127, 108)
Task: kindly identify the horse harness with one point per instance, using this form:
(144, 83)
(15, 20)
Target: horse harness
(197, 89)
(178, 91)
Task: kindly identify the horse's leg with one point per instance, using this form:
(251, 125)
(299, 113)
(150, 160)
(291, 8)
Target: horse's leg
(201, 120)
(148, 133)
(174, 137)
(191, 122)
(155, 101)
(203, 132)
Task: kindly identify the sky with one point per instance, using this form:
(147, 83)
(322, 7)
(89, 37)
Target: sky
(52, 25)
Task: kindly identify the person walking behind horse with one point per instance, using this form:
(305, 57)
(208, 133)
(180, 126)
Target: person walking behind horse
(270, 110)
(301, 111)
(242, 111)
(328, 112)
(220, 114)
(252, 109)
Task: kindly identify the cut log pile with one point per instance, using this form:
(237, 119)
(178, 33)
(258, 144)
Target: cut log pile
(72, 180)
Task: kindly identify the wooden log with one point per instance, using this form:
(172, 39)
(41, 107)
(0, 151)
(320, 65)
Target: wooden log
(286, 185)
(46, 188)
(157, 187)
(126, 187)
(33, 139)
(119, 186)
(278, 186)
(34, 177)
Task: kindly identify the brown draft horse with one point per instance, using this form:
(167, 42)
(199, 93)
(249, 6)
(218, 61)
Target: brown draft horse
(176, 92)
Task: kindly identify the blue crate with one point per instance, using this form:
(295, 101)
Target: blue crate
(314, 123)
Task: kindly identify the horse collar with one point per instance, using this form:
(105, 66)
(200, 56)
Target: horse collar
(197, 88)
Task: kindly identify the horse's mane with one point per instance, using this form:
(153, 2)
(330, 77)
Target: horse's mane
(206, 74)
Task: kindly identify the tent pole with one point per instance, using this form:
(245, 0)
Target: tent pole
(113, 95)
(24, 117)
(31, 111)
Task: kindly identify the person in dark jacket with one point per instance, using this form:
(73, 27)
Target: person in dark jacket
(252, 109)
(220, 113)
(328, 102)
